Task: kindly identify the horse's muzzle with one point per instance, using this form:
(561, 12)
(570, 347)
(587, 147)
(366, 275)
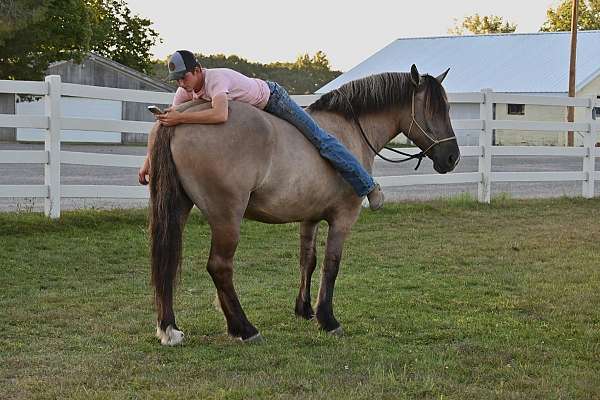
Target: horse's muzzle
(445, 157)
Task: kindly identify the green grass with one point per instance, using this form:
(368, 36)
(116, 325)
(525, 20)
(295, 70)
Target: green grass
(439, 300)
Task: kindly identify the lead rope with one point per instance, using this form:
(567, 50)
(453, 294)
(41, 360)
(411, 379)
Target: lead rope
(420, 155)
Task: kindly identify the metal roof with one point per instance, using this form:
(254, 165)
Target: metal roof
(522, 63)
(157, 84)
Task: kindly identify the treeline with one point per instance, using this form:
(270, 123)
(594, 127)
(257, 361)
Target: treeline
(557, 19)
(303, 76)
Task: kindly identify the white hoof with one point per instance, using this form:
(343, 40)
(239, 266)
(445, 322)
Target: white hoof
(253, 339)
(170, 337)
(337, 331)
(217, 303)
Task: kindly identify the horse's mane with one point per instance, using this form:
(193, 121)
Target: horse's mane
(378, 92)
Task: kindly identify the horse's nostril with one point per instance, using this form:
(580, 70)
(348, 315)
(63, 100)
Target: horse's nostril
(451, 159)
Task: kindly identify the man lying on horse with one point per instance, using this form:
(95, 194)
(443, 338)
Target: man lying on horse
(220, 85)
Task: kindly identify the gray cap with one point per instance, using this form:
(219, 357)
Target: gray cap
(179, 63)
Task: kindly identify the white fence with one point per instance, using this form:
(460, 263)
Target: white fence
(52, 157)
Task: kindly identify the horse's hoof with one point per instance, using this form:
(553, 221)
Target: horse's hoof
(337, 331)
(170, 337)
(253, 339)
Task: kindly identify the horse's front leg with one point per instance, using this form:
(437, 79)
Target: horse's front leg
(333, 255)
(225, 237)
(308, 262)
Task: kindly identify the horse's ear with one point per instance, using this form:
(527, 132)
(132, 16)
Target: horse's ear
(442, 76)
(415, 77)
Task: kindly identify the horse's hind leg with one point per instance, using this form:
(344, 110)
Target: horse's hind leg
(308, 262)
(225, 237)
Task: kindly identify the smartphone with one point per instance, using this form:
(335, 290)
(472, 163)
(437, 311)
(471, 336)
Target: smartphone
(155, 110)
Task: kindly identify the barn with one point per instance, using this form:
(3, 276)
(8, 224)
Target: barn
(530, 63)
(94, 70)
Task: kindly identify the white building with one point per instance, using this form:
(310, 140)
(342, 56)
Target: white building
(532, 63)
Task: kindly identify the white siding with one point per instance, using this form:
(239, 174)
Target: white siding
(73, 107)
(465, 111)
(531, 138)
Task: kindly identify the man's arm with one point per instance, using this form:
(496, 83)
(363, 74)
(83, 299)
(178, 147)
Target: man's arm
(217, 114)
(145, 168)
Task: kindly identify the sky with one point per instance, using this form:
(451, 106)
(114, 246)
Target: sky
(347, 31)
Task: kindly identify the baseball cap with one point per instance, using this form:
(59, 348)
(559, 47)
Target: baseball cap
(180, 62)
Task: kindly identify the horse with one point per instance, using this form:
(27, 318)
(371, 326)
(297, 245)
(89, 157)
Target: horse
(260, 167)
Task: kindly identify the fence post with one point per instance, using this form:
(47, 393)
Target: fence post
(485, 143)
(52, 147)
(589, 143)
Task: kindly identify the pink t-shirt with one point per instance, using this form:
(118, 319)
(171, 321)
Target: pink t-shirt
(223, 80)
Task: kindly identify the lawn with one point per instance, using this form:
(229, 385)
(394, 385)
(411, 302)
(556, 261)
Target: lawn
(438, 300)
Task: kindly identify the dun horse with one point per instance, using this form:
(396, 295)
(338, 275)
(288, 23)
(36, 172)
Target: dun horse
(259, 167)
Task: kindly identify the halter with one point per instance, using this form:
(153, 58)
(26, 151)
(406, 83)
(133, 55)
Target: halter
(423, 153)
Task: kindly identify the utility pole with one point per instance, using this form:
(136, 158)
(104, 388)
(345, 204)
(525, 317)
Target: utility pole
(571, 110)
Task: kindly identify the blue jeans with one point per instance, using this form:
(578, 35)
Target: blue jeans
(281, 105)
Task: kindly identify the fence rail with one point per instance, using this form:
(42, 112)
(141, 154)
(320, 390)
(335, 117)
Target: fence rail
(24, 87)
(23, 121)
(100, 160)
(108, 191)
(104, 93)
(53, 122)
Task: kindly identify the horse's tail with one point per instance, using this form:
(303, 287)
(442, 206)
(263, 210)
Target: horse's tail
(166, 224)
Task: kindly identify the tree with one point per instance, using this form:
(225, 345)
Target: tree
(120, 36)
(35, 33)
(318, 61)
(479, 25)
(303, 76)
(559, 18)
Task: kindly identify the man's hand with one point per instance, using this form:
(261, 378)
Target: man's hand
(143, 172)
(217, 114)
(169, 118)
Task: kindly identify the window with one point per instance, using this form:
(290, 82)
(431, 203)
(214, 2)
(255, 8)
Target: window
(596, 111)
(516, 109)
